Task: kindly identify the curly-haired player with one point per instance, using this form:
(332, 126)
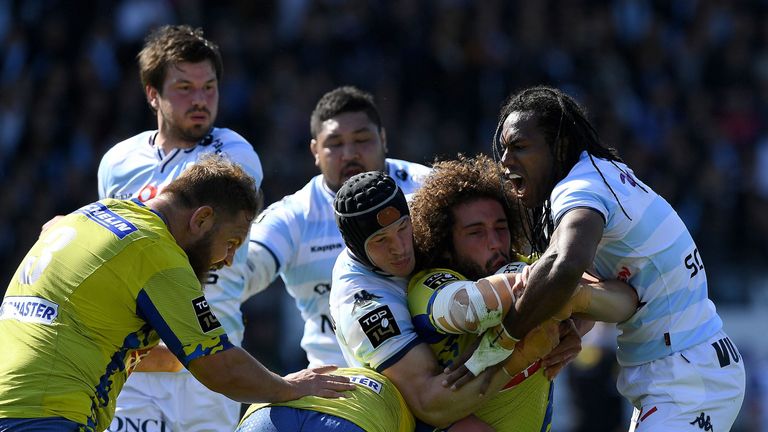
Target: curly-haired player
(463, 230)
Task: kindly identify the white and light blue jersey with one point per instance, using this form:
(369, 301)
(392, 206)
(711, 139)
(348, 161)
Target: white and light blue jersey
(302, 241)
(373, 322)
(136, 168)
(651, 249)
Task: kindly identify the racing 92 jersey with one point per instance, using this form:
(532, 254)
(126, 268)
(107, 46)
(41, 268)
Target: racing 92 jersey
(137, 168)
(299, 240)
(646, 244)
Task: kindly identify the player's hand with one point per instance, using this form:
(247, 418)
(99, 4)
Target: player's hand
(50, 223)
(568, 348)
(318, 382)
(456, 374)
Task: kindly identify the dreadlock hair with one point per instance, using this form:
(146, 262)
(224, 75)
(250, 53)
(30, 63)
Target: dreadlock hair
(568, 132)
(452, 183)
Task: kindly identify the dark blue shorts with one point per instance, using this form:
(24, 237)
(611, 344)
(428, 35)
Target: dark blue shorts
(289, 419)
(46, 424)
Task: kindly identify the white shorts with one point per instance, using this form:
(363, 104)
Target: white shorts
(698, 389)
(172, 402)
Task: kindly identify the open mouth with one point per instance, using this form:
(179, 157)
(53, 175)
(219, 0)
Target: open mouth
(518, 183)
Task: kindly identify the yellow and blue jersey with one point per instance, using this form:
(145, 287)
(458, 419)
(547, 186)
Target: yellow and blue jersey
(104, 282)
(523, 405)
(376, 405)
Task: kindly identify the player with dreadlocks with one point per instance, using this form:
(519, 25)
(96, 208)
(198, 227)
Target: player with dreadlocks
(588, 212)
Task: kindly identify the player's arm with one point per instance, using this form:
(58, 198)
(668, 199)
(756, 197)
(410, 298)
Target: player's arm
(158, 359)
(553, 279)
(419, 380)
(609, 301)
(262, 267)
(237, 375)
(473, 307)
(275, 237)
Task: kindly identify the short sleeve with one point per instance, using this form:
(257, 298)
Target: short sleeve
(172, 302)
(376, 328)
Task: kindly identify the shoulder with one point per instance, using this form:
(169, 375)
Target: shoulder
(130, 146)
(405, 172)
(424, 283)
(433, 279)
(291, 207)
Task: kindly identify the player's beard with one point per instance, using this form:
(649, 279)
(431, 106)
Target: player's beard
(191, 134)
(199, 255)
(474, 271)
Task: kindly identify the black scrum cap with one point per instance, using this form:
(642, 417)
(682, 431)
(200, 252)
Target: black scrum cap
(364, 204)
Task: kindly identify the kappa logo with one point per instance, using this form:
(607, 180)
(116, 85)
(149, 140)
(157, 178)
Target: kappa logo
(326, 248)
(437, 280)
(363, 297)
(205, 316)
(703, 422)
(379, 325)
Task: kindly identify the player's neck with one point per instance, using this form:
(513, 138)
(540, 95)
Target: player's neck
(168, 144)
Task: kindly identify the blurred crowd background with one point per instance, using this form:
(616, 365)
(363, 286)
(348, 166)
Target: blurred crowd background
(679, 87)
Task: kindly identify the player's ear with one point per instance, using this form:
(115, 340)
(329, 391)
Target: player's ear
(202, 220)
(314, 147)
(152, 95)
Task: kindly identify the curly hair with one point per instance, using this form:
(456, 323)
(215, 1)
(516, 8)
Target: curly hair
(452, 183)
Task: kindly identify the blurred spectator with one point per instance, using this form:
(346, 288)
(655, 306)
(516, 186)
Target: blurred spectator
(680, 88)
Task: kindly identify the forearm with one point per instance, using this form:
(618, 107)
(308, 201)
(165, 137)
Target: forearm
(610, 301)
(551, 283)
(242, 378)
(159, 359)
(420, 381)
(441, 406)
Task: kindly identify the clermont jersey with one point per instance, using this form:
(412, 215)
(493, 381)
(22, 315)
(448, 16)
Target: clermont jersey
(102, 283)
(303, 240)
(647, 245)
(376, 405)
(523, 405)
(136, 168)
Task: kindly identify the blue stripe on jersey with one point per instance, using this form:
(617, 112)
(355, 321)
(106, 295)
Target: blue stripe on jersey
(396, 357)
(657, 348)
(547, 423)
(150, 314)
(274, 257)
(312, 271)
(175, 153)
(100, 214)
(116, 364)
(663, 306)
